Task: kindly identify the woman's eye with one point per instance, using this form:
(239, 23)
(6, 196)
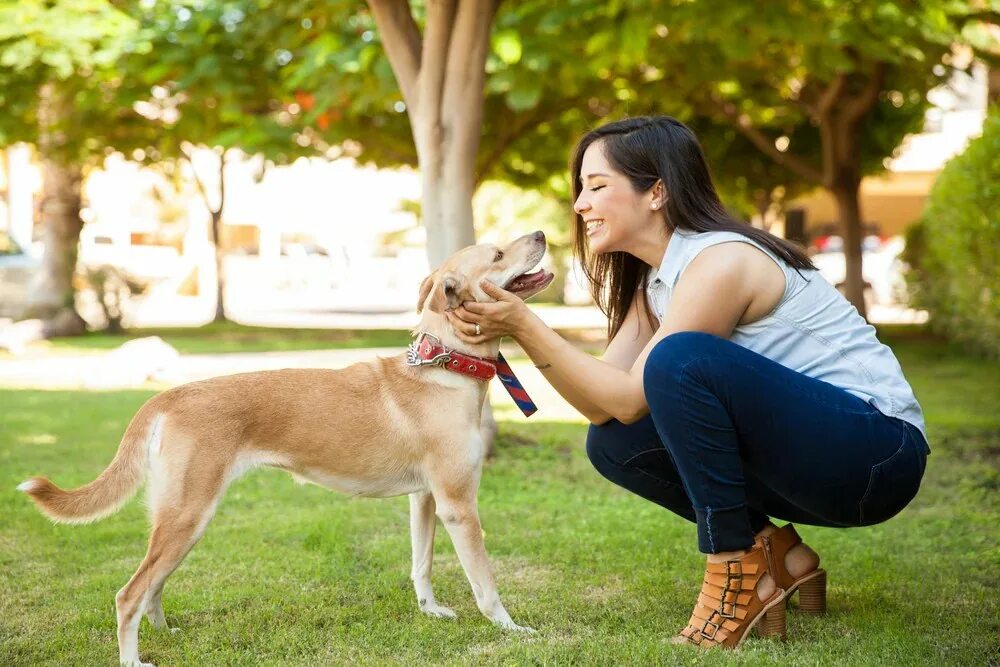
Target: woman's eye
(499, 256)
(599, 187)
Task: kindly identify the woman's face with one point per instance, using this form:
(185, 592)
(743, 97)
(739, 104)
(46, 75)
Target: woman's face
(614, 213)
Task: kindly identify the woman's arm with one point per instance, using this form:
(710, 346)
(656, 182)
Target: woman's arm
(635, 332)
(621, 353)
(712, 296)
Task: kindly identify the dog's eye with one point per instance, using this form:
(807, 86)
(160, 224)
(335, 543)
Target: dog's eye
(499, 256)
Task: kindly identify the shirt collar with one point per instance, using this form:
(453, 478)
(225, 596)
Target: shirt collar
(670, 264)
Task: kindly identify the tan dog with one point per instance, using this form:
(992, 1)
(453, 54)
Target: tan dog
(381, 428)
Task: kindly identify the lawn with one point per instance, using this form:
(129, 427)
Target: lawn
(290, 574)
(222, 337)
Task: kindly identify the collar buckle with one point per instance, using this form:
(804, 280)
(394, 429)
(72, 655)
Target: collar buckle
(413, 357)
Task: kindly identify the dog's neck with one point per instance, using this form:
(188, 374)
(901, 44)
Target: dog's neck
(438, 325)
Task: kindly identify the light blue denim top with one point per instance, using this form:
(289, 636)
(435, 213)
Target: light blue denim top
(813, 330)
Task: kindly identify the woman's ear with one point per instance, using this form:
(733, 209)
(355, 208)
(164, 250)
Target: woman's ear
(659, 196)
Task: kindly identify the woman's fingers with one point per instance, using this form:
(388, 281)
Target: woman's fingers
(464, 326)
(498, 293)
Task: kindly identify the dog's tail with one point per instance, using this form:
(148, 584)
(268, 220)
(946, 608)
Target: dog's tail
(113, 487)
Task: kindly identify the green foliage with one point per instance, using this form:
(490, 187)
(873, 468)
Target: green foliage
(954, 252)
(213, 78)
(75, 47)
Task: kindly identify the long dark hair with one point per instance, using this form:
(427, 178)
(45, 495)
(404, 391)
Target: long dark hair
(646, 149)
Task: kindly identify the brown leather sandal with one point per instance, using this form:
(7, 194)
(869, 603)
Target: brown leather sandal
(728, 607)
(811, 586)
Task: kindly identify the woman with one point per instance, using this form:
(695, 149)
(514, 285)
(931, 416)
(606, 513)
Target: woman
(738, 385)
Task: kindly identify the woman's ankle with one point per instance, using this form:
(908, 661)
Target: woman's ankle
(766, 530)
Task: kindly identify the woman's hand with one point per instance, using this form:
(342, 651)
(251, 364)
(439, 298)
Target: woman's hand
(506, 317)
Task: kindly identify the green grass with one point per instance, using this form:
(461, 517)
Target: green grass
(221, 337)
(290, 574)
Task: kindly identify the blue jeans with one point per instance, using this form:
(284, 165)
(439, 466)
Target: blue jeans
(734, 438)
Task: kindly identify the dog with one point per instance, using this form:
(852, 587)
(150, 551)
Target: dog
(408, 424)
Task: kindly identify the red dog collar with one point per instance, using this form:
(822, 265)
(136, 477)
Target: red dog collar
(427, 350)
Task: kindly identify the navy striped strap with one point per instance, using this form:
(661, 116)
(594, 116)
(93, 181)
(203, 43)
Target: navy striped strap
(513, 387)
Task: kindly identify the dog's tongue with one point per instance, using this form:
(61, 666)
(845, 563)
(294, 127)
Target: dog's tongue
(527, 279)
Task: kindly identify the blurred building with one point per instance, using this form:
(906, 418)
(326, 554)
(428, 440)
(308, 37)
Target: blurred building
(894, 200)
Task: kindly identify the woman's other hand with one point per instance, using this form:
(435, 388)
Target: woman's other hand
(505, 317)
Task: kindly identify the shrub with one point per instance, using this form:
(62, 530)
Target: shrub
(954, 251)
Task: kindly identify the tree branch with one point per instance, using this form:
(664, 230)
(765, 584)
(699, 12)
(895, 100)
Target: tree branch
(745, 127)
(431, 78)
(197, 179)
(522, 123)
(831, 95)
(401, 40)
(222, 183)
(467, 51)
(862, 103)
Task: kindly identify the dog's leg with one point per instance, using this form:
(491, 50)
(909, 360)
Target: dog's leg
(154, 610)
(422, 524)
(175, 532)
(456, 505)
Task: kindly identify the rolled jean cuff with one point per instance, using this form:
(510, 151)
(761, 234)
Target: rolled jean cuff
(726, 529)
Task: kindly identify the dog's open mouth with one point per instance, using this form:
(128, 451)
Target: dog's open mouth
(530, 283)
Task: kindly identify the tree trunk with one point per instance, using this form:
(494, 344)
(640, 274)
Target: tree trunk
(53, 299)
(446, 199)
(220, 278)
(841, 137)
(849, 213)
(441, 75)
(215, 211)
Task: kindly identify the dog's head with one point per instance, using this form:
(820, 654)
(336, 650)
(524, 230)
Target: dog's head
(509, 267)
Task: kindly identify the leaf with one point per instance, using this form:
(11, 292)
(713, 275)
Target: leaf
(524, 96)
(507, 45)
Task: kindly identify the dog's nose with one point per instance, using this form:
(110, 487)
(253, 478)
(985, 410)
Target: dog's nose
(539, 236)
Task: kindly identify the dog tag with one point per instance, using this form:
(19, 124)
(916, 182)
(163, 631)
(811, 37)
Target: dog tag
(514, 388)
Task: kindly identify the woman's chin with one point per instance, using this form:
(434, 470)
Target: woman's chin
(598, 245)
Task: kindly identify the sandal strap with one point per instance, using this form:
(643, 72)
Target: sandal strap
(728, 599)
(782, 541)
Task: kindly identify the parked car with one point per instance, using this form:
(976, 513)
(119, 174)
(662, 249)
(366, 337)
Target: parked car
(18, 272)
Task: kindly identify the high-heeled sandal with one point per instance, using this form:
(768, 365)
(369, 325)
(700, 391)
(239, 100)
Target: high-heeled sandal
(810, 586)
(728, 607)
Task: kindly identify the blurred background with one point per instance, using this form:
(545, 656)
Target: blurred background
(179, 163)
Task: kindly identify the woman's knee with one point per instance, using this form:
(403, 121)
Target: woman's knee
(671, 356)
(604, 441)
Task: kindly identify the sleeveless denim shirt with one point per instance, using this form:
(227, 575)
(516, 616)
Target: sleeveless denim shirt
(813, 330)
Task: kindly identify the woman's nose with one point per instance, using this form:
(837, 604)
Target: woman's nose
(580, 205)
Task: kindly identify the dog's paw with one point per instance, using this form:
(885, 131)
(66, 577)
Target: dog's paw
(514, 627)
(437, 611)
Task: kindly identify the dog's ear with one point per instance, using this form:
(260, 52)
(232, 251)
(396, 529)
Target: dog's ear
(449, 296)
(454, 291)
(425, 289)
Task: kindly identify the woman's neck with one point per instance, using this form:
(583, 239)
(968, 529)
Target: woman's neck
(650, 249)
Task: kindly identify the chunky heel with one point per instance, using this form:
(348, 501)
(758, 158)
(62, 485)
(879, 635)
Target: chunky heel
(811, 586)
(812, 594)
(773, 623)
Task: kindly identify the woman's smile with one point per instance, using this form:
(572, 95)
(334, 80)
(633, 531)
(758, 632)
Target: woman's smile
(595, 226)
